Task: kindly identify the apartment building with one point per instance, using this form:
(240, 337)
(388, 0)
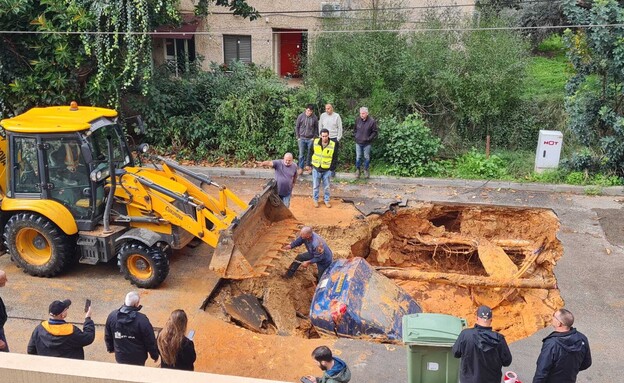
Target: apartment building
(278, 39)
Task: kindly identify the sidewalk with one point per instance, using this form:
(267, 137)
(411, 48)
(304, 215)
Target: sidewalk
(427, 182)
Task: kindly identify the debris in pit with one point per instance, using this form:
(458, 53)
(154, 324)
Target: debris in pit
(368, 206)
(282, 311)
(353, 300)
(247, 311)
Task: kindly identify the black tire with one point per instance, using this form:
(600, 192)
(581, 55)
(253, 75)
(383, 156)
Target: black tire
(37, 245)
(146, 267)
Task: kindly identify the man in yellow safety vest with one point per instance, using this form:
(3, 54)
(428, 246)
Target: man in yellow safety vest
(321, 166)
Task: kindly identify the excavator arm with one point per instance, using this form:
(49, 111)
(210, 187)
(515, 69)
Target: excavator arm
(238, 231)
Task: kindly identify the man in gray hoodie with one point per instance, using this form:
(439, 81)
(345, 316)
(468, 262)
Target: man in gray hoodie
(483, 352)
(335, 370)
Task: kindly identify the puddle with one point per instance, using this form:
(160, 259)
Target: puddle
(449, 258)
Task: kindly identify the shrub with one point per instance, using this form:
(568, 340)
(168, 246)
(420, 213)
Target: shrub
(476, 165)
(408, 147)
(554, 176)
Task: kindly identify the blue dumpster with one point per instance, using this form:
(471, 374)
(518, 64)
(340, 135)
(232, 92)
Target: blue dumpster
(354, 300)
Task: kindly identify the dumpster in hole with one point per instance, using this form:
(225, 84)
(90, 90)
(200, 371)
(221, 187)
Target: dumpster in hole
(429, 338)
(353, 300)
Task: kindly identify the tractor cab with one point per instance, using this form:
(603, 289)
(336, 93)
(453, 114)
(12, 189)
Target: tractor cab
(61, 154)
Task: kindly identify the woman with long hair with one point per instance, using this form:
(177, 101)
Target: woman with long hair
(176, 350)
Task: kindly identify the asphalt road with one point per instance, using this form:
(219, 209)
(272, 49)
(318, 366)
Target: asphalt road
(588, 274)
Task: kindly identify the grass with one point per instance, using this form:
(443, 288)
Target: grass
(546, 78)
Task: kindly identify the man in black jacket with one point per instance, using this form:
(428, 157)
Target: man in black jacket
(483, 352)
(564, 353)
(129, 334)
(4, 346)
(55, 337)
(365, 133)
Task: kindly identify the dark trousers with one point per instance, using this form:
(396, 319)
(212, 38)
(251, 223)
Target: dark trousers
(299, 260)
(335, 156)
(3, 338)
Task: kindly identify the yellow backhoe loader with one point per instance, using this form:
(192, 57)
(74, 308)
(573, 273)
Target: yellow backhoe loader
(71, 191)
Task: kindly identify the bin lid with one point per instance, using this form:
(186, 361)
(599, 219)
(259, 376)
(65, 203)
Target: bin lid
(431, 329)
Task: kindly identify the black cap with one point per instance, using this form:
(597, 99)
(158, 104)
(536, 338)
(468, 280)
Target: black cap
(58, 307)
(484, 312)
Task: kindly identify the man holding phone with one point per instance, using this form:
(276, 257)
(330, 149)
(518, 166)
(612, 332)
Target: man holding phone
(55, 337)
(335, 370)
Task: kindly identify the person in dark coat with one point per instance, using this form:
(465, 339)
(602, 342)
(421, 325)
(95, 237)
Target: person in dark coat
(55, 337)
(4, 346)
(176, 350)
(483, 352)
(365, 132)
(129, 334)
(564, 353)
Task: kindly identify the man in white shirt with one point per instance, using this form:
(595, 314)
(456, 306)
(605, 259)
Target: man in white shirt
(331, 121)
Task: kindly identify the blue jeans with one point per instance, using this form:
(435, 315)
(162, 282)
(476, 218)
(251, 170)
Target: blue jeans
(359, 151)
(316, 183)
(305, 145)
(286, 200)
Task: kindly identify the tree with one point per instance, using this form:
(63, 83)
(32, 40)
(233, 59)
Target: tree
(90, 51)
(594, 94)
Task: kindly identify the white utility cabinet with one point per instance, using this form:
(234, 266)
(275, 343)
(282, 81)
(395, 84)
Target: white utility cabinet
(548, 150)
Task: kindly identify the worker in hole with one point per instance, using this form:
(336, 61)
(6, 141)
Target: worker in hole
(317, 252)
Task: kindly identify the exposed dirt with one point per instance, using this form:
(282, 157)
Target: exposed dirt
(460, 256)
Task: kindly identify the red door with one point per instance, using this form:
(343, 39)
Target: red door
(291, 42)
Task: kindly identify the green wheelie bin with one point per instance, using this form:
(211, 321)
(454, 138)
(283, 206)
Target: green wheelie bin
(429, 338)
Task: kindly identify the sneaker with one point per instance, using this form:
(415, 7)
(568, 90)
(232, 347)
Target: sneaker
(328, 204)
(315, 203)
(366, 173)
(357, 173)
(308, 170)
(299, 171)
(333, 174)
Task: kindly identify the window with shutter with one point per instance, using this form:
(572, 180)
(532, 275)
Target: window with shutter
(236, 47)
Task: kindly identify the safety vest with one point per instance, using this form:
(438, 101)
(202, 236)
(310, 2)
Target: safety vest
(322, 157)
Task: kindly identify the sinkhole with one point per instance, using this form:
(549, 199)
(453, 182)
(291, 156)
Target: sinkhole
(450, 258)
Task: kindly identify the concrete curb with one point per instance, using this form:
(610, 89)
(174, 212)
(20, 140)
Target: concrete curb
(426, 182)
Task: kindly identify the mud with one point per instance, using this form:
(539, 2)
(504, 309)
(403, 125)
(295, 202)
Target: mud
(462, 256)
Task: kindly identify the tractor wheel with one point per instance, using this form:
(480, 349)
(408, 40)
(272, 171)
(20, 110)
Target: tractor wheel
(37, 245)
(143, 266)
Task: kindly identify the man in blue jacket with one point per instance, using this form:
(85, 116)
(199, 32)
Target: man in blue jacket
(483, 352)
(317, 252)
(564, 353)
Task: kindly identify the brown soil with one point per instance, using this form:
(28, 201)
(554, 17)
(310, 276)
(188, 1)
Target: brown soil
(501, 246)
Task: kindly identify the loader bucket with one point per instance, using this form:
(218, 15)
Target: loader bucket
(248, 246)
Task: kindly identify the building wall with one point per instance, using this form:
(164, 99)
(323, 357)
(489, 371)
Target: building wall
(264, 40)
